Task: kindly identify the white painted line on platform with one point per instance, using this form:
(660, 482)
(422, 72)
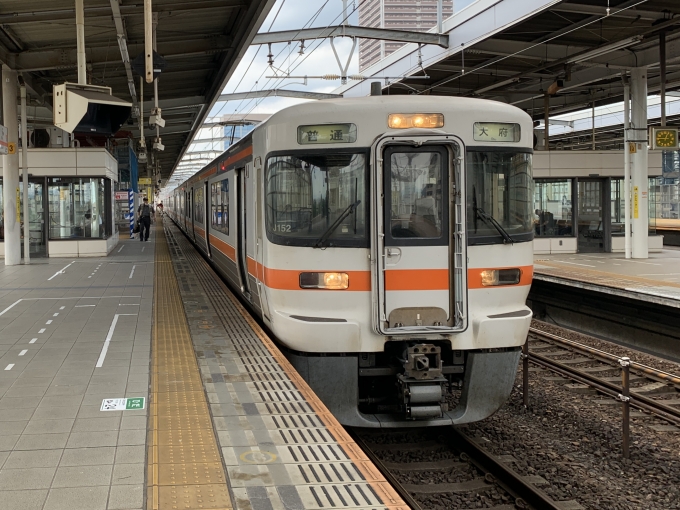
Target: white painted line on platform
(143, 248)
(9, 367)
(574, 263)
(121, 248)
(133, 271)
(56, 315)
(23, 352)
(49, 322)
(41, 331)
(659, 274)
(84, 306)
(10, 307)
(109, 336)
(61, 271)
(61, 299)
(128, 304)
(32, 340)
(639, 262)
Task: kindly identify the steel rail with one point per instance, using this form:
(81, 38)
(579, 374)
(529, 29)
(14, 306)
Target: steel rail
(652, 373)
(396, 484)
(526, 495)
(636, 399)
(512, 482)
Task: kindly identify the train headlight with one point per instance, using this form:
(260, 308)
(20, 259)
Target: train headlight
(331, 281)
(415, 120)
(495, 277)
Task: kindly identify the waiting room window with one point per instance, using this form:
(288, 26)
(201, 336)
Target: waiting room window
(77, 208)
(552, 208)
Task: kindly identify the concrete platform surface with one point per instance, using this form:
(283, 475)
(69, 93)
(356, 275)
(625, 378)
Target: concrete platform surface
(656, 279)
(72, 333)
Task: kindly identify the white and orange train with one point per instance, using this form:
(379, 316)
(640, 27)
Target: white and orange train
(386, 242)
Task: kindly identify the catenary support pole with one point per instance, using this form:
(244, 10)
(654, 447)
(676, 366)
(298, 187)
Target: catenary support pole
(639, 163)
(24, 175)
(592, 118)
(10, 169)
(80, 42)
(662, 77)
(440, 16)
(626, 164)
(546, 121)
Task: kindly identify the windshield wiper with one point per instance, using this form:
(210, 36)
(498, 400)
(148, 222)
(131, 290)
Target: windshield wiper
(491, 220)
(329, 231)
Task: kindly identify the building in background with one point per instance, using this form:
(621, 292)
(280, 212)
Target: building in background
(413, 15)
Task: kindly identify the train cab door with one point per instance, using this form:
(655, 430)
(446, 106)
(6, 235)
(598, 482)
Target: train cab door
(241, 222)
(414, 249)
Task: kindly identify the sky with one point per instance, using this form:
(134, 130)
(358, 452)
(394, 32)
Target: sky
(252, 72)
(318, 58)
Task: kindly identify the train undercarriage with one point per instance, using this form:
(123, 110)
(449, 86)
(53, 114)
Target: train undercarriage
(409, 384)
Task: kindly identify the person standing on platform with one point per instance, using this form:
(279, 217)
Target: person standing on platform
(145, 213)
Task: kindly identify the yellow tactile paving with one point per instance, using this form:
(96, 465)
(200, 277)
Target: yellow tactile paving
(185, 470)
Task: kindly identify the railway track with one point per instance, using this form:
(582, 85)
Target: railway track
(457, 468)
(651, 390)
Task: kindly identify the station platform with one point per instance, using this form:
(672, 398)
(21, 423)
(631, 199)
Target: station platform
(139, 381)
(654, 280)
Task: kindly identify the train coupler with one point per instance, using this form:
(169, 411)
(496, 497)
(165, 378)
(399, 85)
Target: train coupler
(422, 386)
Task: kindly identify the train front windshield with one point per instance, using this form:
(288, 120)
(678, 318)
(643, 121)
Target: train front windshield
(499, 196)
(317, 199)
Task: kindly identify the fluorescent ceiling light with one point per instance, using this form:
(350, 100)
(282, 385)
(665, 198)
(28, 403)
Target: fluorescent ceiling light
(602, 50)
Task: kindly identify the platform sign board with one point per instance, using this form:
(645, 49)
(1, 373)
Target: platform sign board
(144, 181)
(122, 404)
(121, 195)
(4, 145)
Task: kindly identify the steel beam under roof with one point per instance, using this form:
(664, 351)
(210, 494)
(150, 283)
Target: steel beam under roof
(385, 34)
(202, 41)
(517, 56)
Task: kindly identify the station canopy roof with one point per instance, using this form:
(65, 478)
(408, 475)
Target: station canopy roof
(573, 46)
(202, 42)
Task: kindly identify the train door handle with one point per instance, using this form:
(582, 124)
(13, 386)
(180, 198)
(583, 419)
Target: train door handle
(392, 256)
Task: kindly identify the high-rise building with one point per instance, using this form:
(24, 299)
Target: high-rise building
(412, 15)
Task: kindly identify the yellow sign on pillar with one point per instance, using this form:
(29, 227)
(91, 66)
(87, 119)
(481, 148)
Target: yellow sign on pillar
(18, 204)
(633, 147)
(636, 208)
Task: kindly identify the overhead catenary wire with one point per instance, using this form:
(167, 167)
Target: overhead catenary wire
(306, 56)
(298, 57)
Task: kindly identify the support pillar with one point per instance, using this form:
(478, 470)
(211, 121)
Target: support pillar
(639, 163)
(10, 169)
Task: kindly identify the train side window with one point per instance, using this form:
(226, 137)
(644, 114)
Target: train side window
(198, 205)
(219, 200)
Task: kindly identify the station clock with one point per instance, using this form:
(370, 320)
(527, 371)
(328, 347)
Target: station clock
(664, 138)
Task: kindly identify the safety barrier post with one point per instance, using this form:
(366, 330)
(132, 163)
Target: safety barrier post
(131, 212)
(525, 372)
(624, 397)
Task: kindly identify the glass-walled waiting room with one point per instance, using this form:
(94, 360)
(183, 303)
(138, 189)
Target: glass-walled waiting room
(578, 208)
(64, 208)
